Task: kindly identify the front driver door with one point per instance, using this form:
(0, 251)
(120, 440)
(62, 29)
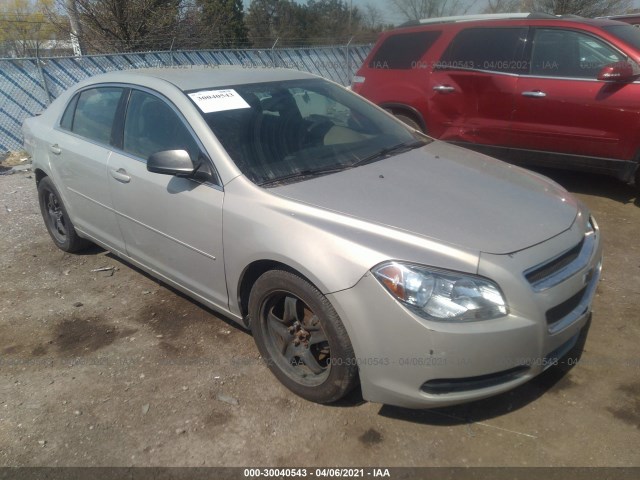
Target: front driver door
(562, 107)
(172, 225)
(472, 86)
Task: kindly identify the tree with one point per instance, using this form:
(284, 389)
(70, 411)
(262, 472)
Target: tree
(504, 6)
(333, 19)
(128, 25)
(268, 20)
(24, 27)
(419, 9)
(222, 23)
(584, 8)
(372, 17)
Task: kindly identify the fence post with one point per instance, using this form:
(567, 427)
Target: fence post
(171, 50)
(273, 58)
(43, 80)
(349, 60)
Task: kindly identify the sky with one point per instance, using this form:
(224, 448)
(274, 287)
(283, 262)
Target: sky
(391, 16)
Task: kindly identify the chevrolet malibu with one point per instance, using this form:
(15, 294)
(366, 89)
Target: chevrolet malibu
(357, 250)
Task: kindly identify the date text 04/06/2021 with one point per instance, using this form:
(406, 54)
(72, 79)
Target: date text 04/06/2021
(317, 472)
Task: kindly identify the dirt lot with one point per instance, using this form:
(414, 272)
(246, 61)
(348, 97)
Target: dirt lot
(112, 368)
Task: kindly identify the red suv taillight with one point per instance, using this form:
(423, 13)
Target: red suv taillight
(356, 83)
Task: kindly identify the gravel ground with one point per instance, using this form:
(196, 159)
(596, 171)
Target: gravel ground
(112, 368)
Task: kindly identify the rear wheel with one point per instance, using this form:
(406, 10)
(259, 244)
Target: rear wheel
(57, 219)
(301, 337)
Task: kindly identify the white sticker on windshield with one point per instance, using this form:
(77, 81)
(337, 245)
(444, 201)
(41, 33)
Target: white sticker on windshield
(218, 100)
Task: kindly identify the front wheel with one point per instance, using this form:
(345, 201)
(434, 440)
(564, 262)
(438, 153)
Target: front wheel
(407, 120)
(301, 337)
(57, 219)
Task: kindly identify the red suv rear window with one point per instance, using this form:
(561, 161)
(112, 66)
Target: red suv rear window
(403, 51)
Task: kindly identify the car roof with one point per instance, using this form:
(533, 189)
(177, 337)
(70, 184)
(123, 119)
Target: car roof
(497, 19)
(188, 78)
(614, 17)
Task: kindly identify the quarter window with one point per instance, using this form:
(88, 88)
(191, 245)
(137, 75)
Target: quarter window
(403, 51)
(152, 126)
(566, 53)
(94, 113)
(493, 49)
(67, 118)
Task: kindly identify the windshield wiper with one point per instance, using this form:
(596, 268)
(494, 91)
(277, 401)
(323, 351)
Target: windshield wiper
(310, 172)
(388, 151)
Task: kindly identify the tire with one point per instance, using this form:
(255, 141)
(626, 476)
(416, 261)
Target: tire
(301, 337)
(406, 119)
(57, 220)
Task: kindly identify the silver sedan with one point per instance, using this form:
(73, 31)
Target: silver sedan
(358, 251)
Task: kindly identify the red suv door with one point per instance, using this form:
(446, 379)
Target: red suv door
(561, 106)
(472, 87)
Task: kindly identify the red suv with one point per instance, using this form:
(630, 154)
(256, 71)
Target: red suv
(534, 89)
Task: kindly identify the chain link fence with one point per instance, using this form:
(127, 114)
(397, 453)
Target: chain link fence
(28, 85)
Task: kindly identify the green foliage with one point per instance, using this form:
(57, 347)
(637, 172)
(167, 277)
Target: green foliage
(24, 27)
(128, 25)
(222, 23)
(317, 22)
(585, 8)
(146, 25)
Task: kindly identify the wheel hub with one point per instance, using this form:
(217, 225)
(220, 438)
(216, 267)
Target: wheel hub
(300, 335)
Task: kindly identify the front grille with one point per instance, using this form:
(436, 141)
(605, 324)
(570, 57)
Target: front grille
(546, 270)
(560, 311)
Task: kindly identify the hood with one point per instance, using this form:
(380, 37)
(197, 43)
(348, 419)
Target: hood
(448, 194)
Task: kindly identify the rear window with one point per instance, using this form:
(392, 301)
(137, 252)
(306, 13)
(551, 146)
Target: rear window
(494, 49)
(403, 51)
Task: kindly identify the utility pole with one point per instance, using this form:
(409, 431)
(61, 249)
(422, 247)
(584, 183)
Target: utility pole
(76, 29)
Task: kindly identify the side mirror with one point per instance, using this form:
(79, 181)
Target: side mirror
(618, 72)
(172, 162)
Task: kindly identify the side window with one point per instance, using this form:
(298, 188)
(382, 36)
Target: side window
(403, 51)
(567, 53)
(493, 49)
(66, 121)
(152, 126)
(94, 113)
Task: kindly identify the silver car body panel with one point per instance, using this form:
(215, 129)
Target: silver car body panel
(398, 351)
(440, 206)
(414, 192)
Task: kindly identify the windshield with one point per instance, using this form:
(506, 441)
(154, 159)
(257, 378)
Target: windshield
(627, 33)
(292, 130)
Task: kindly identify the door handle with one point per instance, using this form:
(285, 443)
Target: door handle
(55, 149)
(444, 88)
(535, 94)
(120, 175)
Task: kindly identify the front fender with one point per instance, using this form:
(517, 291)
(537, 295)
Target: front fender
(332, 250)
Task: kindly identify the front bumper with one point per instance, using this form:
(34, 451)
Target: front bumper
(408, 361)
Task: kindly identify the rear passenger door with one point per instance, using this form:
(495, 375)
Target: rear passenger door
(79, 152)
(472, 86)
(561, 106)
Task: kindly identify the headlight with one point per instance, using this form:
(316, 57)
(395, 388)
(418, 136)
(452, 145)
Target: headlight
(442, 295)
